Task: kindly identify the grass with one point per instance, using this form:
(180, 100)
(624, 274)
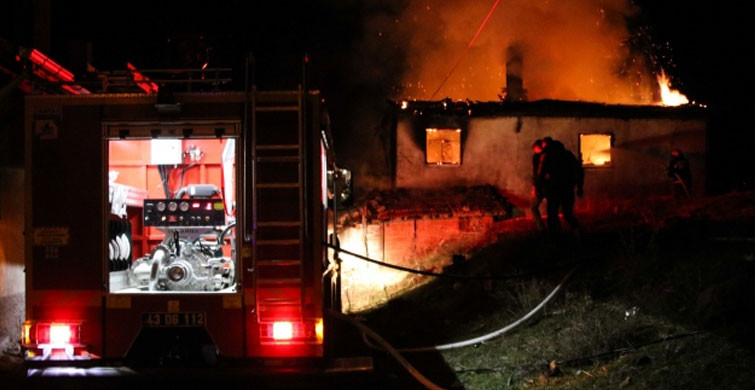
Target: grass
(640, 283)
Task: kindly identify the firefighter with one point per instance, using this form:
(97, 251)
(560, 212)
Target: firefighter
(561, 173)
(680, 174)
(537, 183)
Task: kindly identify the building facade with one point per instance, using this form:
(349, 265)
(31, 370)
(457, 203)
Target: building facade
(625, 150)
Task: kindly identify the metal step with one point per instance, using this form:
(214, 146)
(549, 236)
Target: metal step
(278, 223)
(264, 159)
(278, 147)
(280, 301)
(279, 242)
(264, 282)
(266, 263)
(278, 185)
(277, 108)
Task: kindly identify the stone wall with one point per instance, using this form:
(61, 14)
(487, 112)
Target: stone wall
(423, 244)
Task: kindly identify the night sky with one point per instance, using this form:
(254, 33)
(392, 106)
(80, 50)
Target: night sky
(705, 48)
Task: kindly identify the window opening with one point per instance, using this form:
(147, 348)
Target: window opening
(595, 149)
(443, 146)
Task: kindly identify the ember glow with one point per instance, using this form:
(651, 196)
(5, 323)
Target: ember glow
(575, 50)
(669, 96)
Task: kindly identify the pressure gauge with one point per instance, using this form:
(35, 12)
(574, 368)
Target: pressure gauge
(184, 206)
(161, 206)
(172, 206)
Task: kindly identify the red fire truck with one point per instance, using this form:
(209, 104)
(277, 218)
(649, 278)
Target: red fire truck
(182, 227)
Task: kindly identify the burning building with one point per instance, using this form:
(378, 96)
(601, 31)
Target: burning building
(624, 148)
(574, 71)
(444, 148)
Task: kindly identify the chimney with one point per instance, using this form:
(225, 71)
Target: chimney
(514, 90)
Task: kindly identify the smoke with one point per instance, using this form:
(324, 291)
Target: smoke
(572, 50)
(404, 49)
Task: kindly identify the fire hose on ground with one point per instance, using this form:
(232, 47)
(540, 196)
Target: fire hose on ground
(388, 348)
(396, 353)
(449, 275)
(498, 332)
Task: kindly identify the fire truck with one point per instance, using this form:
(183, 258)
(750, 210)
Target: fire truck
(178, 226)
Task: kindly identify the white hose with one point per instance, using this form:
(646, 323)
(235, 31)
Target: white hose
(388, 348)
(495, 333)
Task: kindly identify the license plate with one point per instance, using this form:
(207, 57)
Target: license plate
(183, 319)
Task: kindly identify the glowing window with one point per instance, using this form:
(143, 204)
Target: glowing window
(595, 149)
(443, 146)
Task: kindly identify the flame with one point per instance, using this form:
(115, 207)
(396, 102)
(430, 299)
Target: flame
(670, 97)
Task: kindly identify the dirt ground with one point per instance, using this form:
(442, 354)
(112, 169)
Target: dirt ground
(660, 299)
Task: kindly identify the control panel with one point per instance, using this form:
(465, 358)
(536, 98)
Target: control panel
(184, 212)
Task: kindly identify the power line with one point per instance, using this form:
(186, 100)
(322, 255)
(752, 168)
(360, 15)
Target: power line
(464, 53)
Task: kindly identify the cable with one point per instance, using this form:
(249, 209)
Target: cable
(183, 173)
(164, 171)
(388, 348)
(452, 276)
(474, 38)
(633, 348)
(227, 229)
(525, 366)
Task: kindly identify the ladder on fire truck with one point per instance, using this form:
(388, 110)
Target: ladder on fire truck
(279, 207)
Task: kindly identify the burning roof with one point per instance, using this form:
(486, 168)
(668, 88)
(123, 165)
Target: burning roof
(544, 108)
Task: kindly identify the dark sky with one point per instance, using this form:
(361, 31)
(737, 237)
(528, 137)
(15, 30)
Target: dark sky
(708, 42)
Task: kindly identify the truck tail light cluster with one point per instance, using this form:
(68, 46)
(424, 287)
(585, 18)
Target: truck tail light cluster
(50, 339)
(287, 332)
(61, 333)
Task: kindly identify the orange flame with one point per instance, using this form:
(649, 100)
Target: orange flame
(670, 97)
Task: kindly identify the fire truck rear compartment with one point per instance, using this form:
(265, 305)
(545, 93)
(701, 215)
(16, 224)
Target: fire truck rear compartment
(201, 212)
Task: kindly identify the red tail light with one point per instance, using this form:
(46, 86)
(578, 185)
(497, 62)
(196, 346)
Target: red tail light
(50, 333)
(60, 334)
(52, 340)
(286, 332)
(283, 331)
